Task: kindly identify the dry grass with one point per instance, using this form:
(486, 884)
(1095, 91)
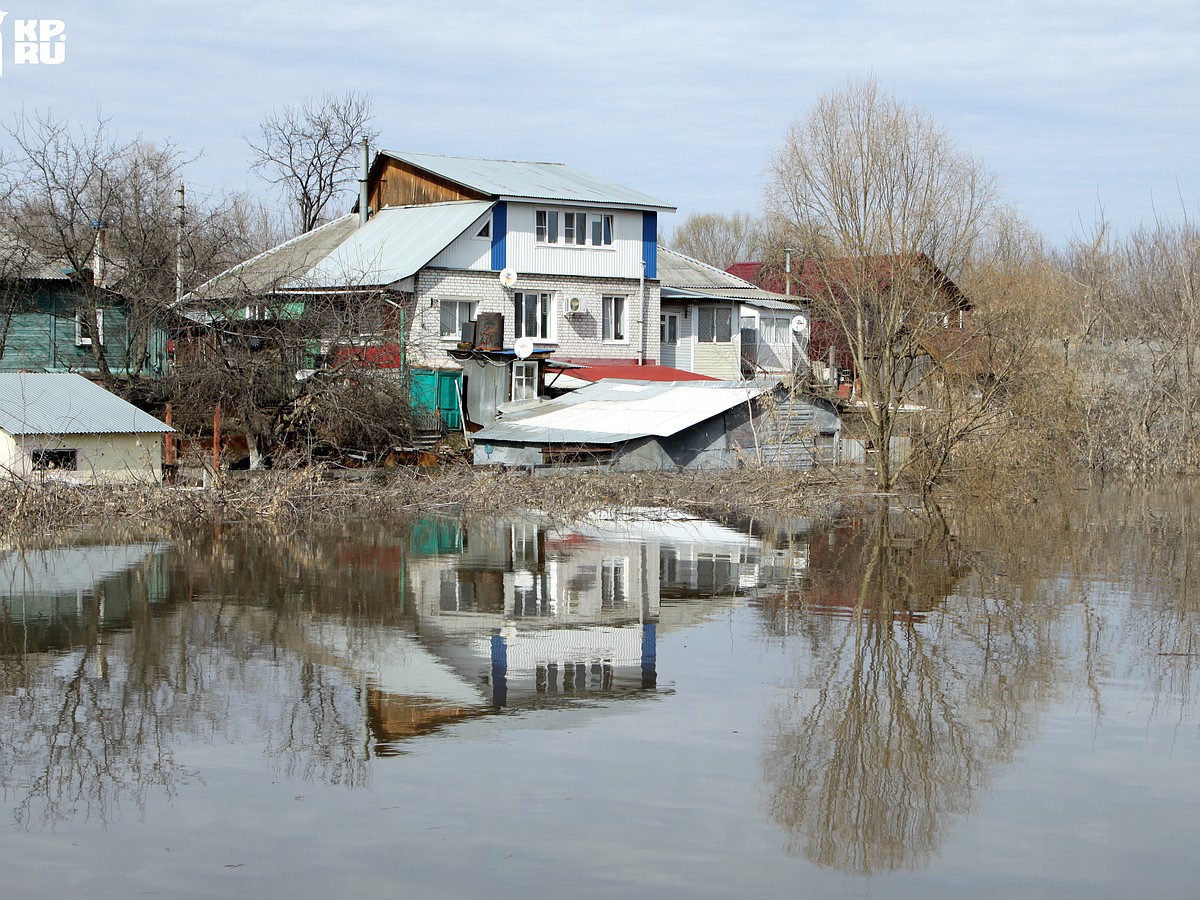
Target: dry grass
(313, 495)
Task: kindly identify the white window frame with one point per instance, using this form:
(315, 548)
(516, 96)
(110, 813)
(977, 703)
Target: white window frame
(461, 307)
(545, 315)
(573, 228)
(613, 315)
(668, 329)
(81, 337)
(719, 316)
(524, 380)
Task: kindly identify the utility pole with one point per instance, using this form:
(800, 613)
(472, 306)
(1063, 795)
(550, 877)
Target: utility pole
(179, 208)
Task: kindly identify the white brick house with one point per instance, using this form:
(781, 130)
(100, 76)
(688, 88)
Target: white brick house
(579, 256)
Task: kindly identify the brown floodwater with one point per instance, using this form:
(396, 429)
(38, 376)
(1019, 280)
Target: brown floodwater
(985, 703)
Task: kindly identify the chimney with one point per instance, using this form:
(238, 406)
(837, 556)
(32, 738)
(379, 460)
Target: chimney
(362, 183)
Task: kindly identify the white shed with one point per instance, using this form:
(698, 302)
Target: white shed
(64, 426)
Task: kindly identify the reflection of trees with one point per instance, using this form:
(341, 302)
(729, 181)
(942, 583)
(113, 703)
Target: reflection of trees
(912, 697)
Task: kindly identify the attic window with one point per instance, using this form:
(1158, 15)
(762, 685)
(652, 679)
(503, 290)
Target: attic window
(486, 230)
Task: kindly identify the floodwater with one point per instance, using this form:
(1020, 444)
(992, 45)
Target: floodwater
(984, 705)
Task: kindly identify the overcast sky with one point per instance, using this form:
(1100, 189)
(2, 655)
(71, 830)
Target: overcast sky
(1075, 105)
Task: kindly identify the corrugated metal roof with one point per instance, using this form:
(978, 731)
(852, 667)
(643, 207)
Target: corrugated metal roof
(614, 410)
(278, 266)
(395, 243)
(513, 179)
(685, 278)
(54, 403)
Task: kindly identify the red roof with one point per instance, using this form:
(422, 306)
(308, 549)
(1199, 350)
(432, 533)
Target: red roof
(630, 372)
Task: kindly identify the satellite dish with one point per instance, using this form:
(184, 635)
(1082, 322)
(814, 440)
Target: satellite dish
(799, 323)
(523, 347)
(508, 277)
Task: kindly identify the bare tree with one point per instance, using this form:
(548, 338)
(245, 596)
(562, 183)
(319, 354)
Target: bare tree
(887, 211)
(309, 151)
(720, 240)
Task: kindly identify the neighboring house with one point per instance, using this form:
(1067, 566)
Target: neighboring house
(670, 426)
(816, 283)
(42, 321)
(718, 324)
(559, 258)
(64, 426)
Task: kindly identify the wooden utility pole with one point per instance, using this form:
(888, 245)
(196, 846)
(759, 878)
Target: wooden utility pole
(179, 208)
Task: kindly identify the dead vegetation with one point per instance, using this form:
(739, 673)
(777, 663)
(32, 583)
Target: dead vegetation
(40, 510)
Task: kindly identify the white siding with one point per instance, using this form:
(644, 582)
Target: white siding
(622, 260)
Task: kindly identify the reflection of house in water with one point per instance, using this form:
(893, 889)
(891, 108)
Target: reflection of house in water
(57, 596)
(536, 610)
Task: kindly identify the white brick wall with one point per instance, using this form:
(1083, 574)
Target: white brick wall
(578, 335)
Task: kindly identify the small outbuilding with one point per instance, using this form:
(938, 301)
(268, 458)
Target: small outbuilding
(664, 426)
(64, 426)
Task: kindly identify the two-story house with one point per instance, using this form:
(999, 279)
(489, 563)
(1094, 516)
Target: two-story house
(545, 259)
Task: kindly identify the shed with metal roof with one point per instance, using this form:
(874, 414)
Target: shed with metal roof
(66, 427)
(654, 426)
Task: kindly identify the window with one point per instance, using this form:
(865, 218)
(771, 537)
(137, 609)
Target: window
(613, 588)
(455, 314)
(668, 328)
(578, 228)
(81, 336)
(525, 380)
(61, 460)
(486, 230)
(614, 317)
(533, 315)
(714, 325)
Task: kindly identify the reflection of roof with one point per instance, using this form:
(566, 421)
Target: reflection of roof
(612, 411)
(392, 245)
(57, 403)
(512, 179)
(67, 570)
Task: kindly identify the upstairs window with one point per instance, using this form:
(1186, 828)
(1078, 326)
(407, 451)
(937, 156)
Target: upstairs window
(533, 314)
(579, 229)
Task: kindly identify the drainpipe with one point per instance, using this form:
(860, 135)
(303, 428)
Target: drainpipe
(642, 298)
(362, 183)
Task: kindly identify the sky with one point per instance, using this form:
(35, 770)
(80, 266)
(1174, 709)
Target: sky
(1078, 107)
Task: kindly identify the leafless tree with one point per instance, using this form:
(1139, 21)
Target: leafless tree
(887, 211)
(309, 151)
(720, 240)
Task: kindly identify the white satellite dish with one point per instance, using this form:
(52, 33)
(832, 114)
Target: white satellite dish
(799, 323)
(508, 277)
(523, 347)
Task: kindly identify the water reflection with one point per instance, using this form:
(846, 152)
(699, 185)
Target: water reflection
(919, 652)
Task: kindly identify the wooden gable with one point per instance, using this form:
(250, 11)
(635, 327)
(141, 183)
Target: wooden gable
(395, 183)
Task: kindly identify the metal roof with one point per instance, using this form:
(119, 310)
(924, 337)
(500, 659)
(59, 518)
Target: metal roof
(393, 244)
(683, 277)
(615, 410)
(507, 179)
(278, 266)
(55, 403)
